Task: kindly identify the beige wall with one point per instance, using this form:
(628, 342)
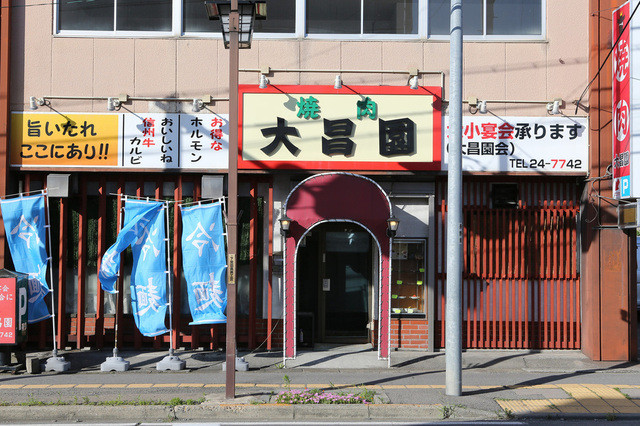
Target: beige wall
(43, 64)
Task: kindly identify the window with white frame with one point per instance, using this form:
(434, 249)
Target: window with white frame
(338, 19)
(489, 17)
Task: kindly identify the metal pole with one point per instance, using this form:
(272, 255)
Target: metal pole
(453, 343)
(232, 192)
(169, 275)
(49, 261)
(118, 290)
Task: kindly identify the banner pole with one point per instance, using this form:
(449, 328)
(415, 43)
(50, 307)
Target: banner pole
(116, 362)
(118, 290)
(55, 363)
(171, 362)
(53, 314)
(169, 277)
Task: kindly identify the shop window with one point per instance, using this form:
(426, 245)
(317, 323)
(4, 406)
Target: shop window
(408, 277)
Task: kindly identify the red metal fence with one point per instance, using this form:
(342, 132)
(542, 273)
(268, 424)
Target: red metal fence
(521, 286)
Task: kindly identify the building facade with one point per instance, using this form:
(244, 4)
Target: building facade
(530, 275)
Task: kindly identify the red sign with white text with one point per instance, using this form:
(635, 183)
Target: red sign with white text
(621, 89)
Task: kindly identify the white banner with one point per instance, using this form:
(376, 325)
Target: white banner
(522, 144)
(198, 141)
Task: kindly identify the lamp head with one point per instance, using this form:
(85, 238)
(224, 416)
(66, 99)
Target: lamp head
(285, 225)
(392, 226)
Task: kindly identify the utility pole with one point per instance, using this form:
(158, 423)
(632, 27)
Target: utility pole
(453, 318)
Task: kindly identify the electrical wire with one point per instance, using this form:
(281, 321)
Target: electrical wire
(605, 59)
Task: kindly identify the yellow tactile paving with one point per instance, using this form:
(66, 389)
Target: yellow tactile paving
(246, 385)
(539, 406)
(66, 386)
(165, 385)
(140, 385)
(196, 385)
(393, 387)
(88, 386)
(516, 407)
(318, 385)
(11, 386)
(214, 385)
(569, 405)
(36, 386)
(116, 385)
(416, 386)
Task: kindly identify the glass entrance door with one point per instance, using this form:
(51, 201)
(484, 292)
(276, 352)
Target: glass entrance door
(346, 281)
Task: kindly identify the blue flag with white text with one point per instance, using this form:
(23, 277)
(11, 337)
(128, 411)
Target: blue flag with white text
(24, 224)
(204, 263)
(132, 230)
(144, 230)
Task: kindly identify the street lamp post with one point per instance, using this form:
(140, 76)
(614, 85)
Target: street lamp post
(237, 17)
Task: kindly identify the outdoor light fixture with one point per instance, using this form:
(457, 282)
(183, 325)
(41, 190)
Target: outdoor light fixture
(482, 107)
(264, 81)
(337, 83)
(248, 10)
(34, 102)
(285, 224)
(197, 105)
(554, 107)
(413, 82)
(392, 226)
(112, 104)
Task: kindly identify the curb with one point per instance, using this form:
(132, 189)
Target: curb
(234, 412)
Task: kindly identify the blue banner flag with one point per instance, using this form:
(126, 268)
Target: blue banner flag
(204, 263)
(24, 224)
(134, 226)
(144, 230)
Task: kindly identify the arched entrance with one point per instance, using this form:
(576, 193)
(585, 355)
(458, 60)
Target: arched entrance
(338, 198)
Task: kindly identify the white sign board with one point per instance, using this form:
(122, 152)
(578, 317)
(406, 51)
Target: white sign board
(175, 141)
(522, 144)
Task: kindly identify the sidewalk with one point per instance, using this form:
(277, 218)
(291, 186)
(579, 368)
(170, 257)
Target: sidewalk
(497, 384)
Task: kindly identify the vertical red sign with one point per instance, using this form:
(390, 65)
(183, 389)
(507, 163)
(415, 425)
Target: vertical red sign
(7, 311)
(621, 88)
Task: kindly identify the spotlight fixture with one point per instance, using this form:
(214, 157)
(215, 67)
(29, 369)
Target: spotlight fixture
(113, 104)
(392, 226)
(285, 224)
(197, 105)
(413, 82)
(264, 81)
(482, 107)
(337, 83)
(34, 102)
(554, 107)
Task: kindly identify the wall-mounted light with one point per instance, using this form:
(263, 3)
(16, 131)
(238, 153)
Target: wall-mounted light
(285, 225)
(337, 84)
(197, 105)
(113, 103)
(554, 107)
(34, 102)
(392, 226)
(264, 81)
(482, 107)
(413, 82)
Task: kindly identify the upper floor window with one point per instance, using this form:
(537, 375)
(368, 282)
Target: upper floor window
(336, 19)
(489, 17)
